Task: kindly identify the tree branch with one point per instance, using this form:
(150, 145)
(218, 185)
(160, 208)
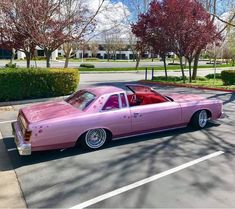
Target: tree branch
(225, 21)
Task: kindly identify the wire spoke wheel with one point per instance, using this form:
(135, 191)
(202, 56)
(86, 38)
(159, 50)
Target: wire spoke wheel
(199, 119)
(202, 119)
(95, 138)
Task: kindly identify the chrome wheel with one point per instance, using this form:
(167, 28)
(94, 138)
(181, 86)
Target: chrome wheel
(95, 138)
(202, 119)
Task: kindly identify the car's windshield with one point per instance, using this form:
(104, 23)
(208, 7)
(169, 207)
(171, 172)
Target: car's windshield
(81, 100)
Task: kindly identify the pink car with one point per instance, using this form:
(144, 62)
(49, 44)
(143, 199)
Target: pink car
(93, 116)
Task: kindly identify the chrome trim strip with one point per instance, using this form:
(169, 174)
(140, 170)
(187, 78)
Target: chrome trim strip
(151, 132)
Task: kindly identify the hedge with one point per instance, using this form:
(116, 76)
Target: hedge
(228, 77)
(211, 76)
(87, 65)
(19, 84)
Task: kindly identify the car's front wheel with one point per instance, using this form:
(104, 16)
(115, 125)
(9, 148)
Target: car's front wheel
(95, 138)
(199, 119)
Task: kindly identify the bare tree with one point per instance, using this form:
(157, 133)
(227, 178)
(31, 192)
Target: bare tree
(83, 25)
(94, 47)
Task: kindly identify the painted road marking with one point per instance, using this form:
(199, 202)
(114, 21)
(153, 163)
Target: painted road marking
(12, 149)
(7, 121)
(145, 181)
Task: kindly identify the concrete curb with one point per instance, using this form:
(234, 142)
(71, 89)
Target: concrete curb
(21, 102)
(11, 195)
(186, 86)
(107, 72)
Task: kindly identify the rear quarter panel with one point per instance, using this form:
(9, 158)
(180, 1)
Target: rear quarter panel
(189, 108)
(64, 133)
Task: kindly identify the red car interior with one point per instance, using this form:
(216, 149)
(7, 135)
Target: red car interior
(145, 98)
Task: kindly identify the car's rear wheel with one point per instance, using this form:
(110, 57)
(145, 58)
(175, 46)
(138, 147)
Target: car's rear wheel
(95, 138)
(199, 119)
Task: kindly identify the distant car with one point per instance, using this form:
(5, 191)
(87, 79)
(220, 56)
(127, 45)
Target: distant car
(93, 116)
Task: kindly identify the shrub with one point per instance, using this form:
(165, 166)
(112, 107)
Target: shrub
(171, 63)
(199, 78)
(18, 84)
(228, 77)
(169, 78)
(86, 65)
(211, 76)
(92, 59)
(9, 65)
(39, 58)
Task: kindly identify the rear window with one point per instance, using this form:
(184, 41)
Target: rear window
(81, 99)
(112, 103)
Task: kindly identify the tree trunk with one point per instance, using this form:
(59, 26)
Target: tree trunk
(28, 58)
(137, 61)
(12, 56)
(48, 58)
(66, 64)
(67, 56)
(182, 68)
(190, 70)
(195, 66)
(67, 51)
(165, 67)
(215, 62)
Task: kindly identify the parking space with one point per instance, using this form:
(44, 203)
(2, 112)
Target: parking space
(67, 178)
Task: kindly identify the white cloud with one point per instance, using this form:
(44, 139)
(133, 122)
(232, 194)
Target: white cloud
(112, 17)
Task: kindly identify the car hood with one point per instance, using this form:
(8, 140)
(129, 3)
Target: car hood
(47, 111)
(185, 97)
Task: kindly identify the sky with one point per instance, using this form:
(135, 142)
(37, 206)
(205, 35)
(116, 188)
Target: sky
(119, 13)
(113, 17)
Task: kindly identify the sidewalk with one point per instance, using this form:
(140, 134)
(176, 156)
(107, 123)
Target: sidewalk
(11, 195)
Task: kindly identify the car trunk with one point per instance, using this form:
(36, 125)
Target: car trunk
(185, 97)
(46, 111)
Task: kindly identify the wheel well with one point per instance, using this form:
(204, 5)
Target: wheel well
(109, 133)
(209, 114)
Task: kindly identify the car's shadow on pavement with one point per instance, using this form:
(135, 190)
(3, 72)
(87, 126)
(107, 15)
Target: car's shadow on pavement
(44, 156)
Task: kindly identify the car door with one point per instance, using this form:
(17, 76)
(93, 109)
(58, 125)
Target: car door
(155, 116)
(116, 116)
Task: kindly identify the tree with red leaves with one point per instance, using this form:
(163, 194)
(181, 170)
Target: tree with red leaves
(190, 27)
(45, 23)
(12, 35)
(151, 32)
(180, 26)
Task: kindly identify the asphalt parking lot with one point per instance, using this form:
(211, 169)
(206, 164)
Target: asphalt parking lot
(68, 178)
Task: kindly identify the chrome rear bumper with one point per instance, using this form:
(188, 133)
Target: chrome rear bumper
(23, 148)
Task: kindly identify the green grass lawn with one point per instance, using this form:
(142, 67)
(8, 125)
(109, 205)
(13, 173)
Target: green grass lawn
(170, 67)
(201, 81)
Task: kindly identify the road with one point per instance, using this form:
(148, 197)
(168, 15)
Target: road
(72, 64)
(57, 179)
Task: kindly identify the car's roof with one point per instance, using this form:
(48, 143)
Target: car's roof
(101, 90)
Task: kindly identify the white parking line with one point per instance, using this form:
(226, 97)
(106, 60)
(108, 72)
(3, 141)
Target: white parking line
(12, 149)
(7, 121)
(144, 181)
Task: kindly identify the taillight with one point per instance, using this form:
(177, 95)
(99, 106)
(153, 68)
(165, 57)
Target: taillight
(27, 135)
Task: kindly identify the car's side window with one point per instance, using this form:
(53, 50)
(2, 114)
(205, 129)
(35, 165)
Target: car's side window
(112, 103)
(123, 100)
